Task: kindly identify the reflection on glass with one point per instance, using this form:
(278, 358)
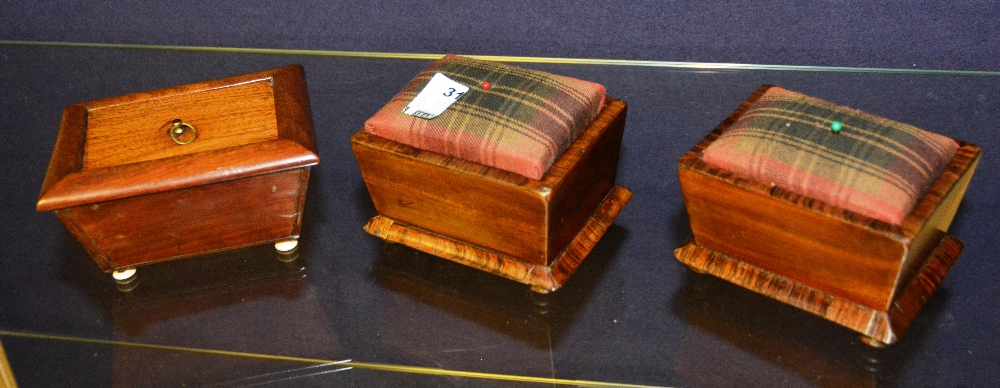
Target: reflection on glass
(736, 335)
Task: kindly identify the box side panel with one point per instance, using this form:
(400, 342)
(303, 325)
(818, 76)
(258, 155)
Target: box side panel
(193, 221)
(587, 181)
(936, 225)
(300, 201)
(455, 203)
(827, 253)
(137, 130)
(68, 219)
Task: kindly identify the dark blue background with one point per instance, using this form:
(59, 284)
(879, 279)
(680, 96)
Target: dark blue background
(957, 35)
(630, 314)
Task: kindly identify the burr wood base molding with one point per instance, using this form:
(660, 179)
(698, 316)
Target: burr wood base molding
(541, 278)
(878, 328)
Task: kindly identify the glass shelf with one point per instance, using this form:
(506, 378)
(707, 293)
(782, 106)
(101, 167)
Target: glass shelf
(392, 316)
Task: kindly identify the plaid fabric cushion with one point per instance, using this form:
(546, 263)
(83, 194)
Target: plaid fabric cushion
(874, 166)
(522, 123)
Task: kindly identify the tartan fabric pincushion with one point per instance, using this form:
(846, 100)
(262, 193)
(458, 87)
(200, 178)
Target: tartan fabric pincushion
(521, 121)
(873, 166)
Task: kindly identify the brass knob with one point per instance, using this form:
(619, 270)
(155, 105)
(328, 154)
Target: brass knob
(179, 129)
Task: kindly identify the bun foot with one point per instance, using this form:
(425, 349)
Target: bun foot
(125, 279)
(286, 247)
(873, 342)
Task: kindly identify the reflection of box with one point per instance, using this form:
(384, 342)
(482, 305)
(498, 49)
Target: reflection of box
(444, 314)
(186, 170)
(214, 282)
(865, 274)
(533, 231)
(735, 336)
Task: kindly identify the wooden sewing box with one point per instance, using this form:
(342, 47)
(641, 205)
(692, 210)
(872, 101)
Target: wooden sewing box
(536, 232)
(184, 171)
(867, 275)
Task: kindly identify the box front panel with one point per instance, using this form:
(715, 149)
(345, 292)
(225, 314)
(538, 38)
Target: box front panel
(192, 221)
(815, 249)
(454, 203)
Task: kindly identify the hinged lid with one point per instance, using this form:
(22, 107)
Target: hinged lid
(178, 137)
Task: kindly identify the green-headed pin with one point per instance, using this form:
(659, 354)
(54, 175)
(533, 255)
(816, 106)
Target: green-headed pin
(836, 126)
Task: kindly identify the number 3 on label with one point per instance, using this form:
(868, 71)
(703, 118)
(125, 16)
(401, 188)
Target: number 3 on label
(451, 92)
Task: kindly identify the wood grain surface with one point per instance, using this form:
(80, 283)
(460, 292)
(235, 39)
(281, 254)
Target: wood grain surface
(134, 128)
(132, 196)
(528, 230)
(830, 250)
(532, 220)
(191, 221)
(885, 326)
(69, 182)
(542, 278)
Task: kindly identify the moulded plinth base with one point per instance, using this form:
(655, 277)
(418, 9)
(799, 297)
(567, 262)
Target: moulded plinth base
(878, 328)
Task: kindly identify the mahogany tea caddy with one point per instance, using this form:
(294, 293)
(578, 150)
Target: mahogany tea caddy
(185, 170)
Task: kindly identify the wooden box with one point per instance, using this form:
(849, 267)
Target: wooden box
(532, 231)
(868, 275)
(185, 170)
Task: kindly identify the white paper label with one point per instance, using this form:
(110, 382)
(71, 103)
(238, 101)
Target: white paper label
(436, 97)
